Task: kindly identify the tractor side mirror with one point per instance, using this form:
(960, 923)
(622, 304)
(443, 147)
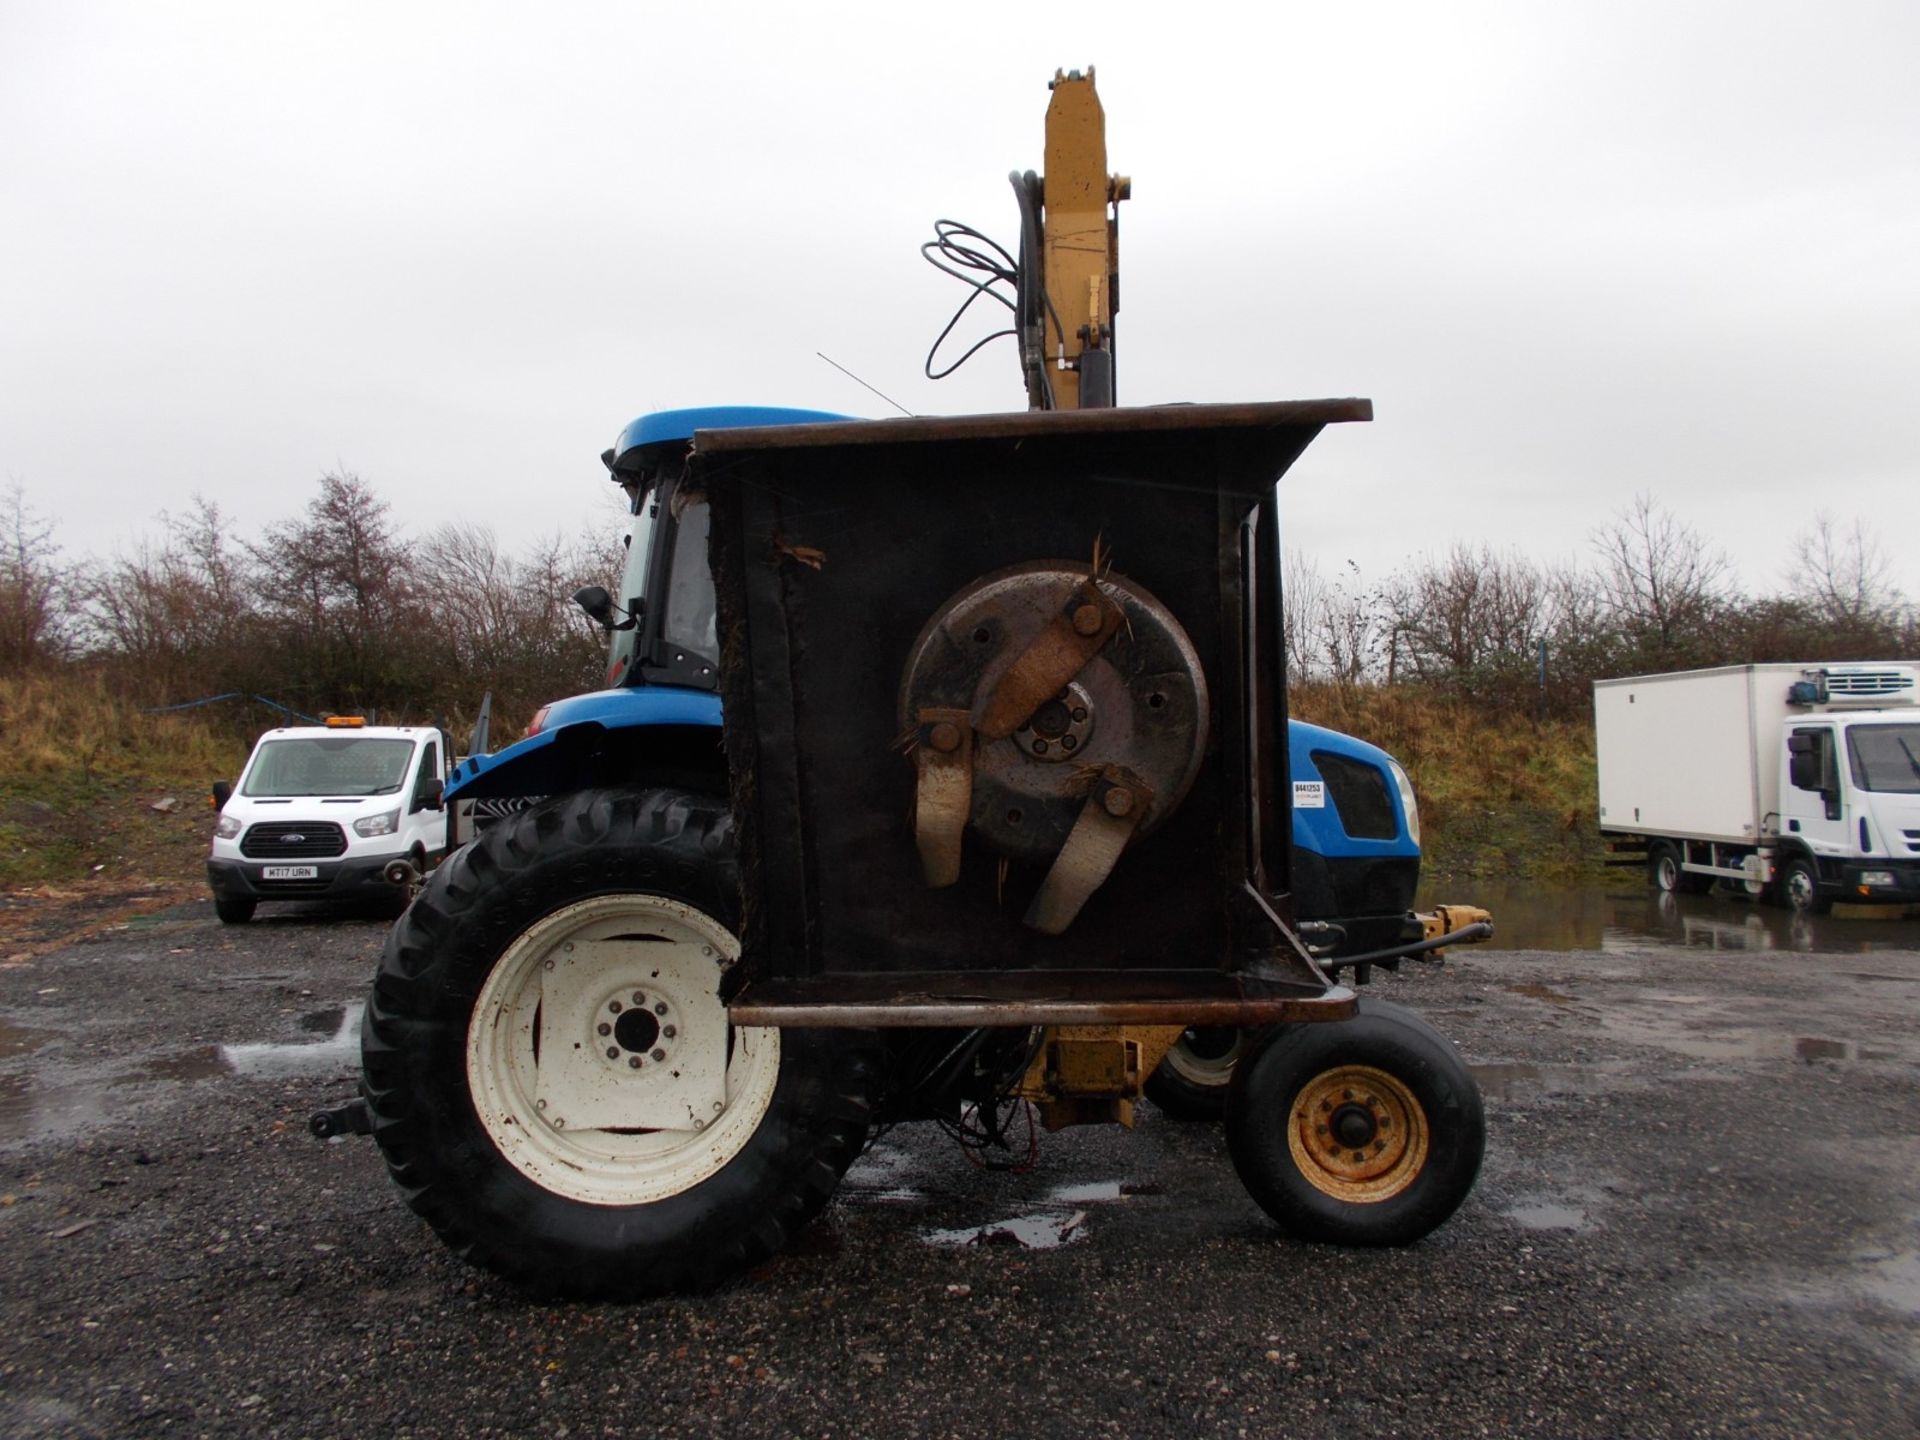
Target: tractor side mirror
(598, 604)
(222, 792)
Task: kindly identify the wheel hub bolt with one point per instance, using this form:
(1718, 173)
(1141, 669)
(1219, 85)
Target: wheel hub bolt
(613, 1052)
(633, 1063)
(661, 1008)
(614, 1006)
(605, 1029)
(718, 1106)
(668, 1031)
(638, 998)
(699, 1124)
(659, 1054)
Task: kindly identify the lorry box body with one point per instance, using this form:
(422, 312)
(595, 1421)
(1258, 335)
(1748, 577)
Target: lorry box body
(1691, 754)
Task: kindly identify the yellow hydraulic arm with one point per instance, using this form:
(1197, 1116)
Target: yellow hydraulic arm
(1071, 268)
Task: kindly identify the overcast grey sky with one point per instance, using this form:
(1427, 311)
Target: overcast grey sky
(1571, 251)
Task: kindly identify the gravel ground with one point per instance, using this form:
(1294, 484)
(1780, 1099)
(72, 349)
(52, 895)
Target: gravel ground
(1698, 1217)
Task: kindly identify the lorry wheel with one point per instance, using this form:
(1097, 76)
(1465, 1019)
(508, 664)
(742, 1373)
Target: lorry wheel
(1663, 868)
(234, 909)
(1800, 888)
(1367, 1132)
(1191, 1082)
(551, 1075)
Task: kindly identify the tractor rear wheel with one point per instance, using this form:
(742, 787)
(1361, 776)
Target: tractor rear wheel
(1366, 1132)
(1191, 1082)
(550, 1070)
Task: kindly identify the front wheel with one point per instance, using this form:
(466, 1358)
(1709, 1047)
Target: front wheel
(234, 909)
(1800, 888)
(1365, 1132)
(551, 1073)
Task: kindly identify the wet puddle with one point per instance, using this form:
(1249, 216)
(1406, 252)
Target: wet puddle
(887, 1176)
(340, 1050)
(1545, 1215)
(1633, 917)
(1520, 1080)
(1731, 1041)
(1893, 1280)
(36, 1104)
(1040, 1231)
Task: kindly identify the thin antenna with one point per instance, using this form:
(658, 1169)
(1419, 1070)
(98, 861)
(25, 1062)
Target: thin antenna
(857, 380)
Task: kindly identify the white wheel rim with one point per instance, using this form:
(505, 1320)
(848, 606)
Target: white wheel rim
(644, 943)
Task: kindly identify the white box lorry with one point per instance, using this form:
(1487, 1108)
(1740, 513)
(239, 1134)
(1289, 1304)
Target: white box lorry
(1796, 780)
(342, 811)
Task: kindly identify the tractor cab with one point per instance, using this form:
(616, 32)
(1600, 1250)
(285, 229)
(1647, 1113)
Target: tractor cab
(659, 711)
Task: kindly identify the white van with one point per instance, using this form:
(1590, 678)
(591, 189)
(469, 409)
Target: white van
(344, 811)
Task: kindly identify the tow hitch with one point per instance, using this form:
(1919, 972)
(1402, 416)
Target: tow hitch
(351, 1118)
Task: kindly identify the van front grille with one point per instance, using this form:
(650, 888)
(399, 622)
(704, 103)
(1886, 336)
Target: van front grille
(293, 840)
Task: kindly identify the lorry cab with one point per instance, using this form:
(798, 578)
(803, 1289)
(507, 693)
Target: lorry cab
(341, 811)
(1850, 794)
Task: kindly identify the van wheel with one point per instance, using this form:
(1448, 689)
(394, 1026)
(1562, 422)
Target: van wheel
(551, 1074)
(234, 909)
(1365, 1132)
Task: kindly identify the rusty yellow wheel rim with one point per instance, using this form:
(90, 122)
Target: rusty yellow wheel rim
(1358, 1134)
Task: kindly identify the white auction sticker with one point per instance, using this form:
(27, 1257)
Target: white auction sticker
(1309, 795)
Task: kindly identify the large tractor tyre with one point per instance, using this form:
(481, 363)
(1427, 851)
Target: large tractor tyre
(1191, 1082)
(1366, 1132)
(1663, 869)
(1800, 888)
(235, 909)
(550, 1071)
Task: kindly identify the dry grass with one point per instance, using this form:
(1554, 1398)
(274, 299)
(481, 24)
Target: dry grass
(71, 724)
(82, 773)
(1498, 795)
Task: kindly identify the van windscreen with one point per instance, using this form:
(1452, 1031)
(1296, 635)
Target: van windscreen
(328, 765)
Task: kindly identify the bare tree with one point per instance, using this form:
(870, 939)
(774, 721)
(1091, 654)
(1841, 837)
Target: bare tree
(31, 585)
(342, 591)
(1661, 580)
(1303, 593)
(1845, 577)
(1470, 616)
(1345, 629)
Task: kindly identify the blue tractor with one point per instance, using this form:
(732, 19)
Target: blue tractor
(995, 821)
